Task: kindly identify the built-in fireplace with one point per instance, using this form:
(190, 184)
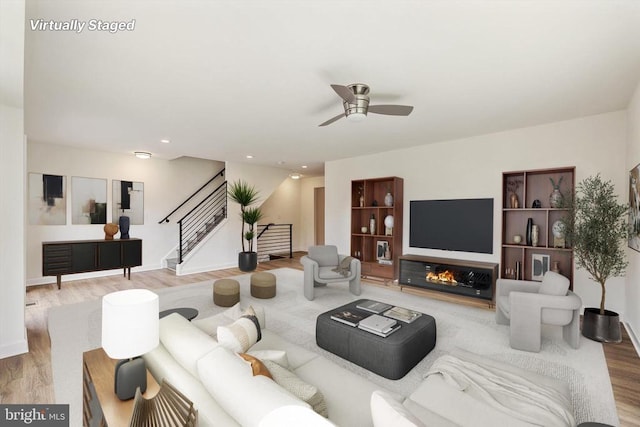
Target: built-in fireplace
(468, 278)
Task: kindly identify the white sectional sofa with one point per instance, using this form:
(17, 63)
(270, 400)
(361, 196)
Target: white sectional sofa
(225, 392)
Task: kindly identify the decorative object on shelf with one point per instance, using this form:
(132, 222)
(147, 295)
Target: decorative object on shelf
(555, 266)
(529, 227)
(388, 225)
(539, 265)
(535, 235)
(536, 204)
(361, 201)
(513, 184)
(382, 246)
(558, 234)
(374, 203)
(110, 230)
(595, 228)
(372, 224)
(130, 328)
(634, 208)
(556, 199)
(246, 195)
(360, 196)
(517, 239)
(364, 229)
(124, 226)
(518, 270)
(388, 198)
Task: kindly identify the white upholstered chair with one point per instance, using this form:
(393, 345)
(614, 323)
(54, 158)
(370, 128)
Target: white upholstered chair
(525, 306)
(319, 269)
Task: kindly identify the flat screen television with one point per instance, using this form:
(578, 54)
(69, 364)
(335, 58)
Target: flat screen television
(453, 225)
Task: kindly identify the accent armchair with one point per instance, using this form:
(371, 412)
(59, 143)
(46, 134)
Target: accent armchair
(526, 305)
(320, 268)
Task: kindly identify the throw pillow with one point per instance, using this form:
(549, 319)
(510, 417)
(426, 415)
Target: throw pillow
(257, 367)
(387, 411)
(236, 312)
(241, 334)
(278, 356)
(554, 284)
(294, 385)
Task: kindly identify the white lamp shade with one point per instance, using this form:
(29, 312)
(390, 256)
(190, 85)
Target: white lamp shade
(130, 323)
(388, 221)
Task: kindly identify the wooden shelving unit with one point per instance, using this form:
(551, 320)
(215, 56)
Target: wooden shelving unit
(534, 185)
(367, 200)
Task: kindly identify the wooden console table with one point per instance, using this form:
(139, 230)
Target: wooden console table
(100, 404)
(82, 256)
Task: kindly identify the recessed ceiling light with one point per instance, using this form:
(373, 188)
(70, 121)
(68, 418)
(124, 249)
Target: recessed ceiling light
(281, 162)
(304, 166)
(249, 156)
(165, 141)
(142, 154)
(295, 175)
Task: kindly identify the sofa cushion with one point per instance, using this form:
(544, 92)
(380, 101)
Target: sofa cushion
(325, 256)
(294, 385)
(257, 367)
(554, 284)
(277, 356)
(388, 412)
(245, 397)
(184, 341)
(241, 334)
(296, 355)
(328, 273)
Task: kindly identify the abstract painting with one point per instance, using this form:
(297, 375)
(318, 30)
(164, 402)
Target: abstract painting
(88, 200)
(128, 200)
(634, 208)
(47, 203)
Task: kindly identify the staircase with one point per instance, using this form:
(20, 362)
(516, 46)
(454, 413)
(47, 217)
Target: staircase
(274, 241)
(201, 219)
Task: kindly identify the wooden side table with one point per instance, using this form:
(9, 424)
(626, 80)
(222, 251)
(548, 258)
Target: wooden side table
(99, 395)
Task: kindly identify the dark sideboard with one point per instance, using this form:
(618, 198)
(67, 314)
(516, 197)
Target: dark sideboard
(82, 256)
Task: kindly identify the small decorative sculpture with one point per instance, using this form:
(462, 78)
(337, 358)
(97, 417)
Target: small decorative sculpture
(556, 199)
(110, 230)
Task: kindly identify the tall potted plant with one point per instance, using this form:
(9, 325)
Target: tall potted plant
(246, 195)
(596, 229)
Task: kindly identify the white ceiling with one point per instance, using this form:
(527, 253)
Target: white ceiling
(223, 79)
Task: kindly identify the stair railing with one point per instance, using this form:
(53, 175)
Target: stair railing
(166, 218)
(275, 241)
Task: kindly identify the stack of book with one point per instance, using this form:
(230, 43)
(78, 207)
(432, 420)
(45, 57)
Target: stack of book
(379, 325)
(402, 314)
(350, 317)
(373, 306)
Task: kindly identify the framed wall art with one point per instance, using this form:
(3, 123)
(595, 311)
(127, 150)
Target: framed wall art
(47, 203)
(88, 200)
(539, 266)
(128, 200)
(634, 208)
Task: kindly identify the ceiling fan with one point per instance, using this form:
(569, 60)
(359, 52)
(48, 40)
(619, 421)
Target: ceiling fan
(355, 99)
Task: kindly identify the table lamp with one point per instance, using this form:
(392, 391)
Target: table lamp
(130, 328)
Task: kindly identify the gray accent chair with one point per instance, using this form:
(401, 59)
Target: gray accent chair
(525, 306)
(319, 265)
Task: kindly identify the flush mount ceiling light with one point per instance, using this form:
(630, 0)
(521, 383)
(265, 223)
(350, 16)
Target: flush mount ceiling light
(165, 141)
(249, 156)
(142, 154)
(295, 175)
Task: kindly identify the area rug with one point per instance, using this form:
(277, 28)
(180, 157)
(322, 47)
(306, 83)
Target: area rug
(76, 328)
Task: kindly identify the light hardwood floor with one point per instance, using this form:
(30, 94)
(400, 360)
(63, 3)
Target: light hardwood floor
(27, 378)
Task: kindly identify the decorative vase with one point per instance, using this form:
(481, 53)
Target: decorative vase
(555, 267)
(372, 224)
(601, 327)
(124, 227)
(247, 261)
(387, 254)
(556, 198)
(535, 231)
(388, 199)
(361, 201)
(514, 201)
(109, 230)
(529, 226)
(388, 225)
(363, 229)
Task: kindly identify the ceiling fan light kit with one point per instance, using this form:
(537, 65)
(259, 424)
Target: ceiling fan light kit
(355, 100)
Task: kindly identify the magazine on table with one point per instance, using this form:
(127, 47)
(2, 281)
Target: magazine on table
(402, 314)
(350, 317)
(378, 323)
(382, 334)
(376, 307)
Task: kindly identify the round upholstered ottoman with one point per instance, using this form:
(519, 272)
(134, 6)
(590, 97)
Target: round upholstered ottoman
(226, 292)
(263, 285)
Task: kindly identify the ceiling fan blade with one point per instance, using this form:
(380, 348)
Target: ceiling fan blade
(391, 110)
(345, 93)
(331, 120)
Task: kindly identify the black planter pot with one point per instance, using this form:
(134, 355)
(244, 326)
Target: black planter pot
(601, 327)
(247, 261)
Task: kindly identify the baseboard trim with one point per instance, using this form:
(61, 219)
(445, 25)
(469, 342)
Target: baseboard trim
(633, 337)
(15, 348)
(47, 280)
(184, 271)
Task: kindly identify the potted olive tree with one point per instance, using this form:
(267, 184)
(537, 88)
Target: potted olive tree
(246, 195)
(596, 229)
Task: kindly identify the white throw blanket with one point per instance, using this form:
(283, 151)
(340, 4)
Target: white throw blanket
(506, 392)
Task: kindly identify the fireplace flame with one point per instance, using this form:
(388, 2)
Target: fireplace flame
(446, 277)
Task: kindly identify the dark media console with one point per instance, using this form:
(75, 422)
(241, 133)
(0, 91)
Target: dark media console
(468, 278)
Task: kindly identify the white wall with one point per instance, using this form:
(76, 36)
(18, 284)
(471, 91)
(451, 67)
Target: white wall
(473, 167)
(632, 311)
(167, 183)
(283, 207)
(307, 210)
(13, 335)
